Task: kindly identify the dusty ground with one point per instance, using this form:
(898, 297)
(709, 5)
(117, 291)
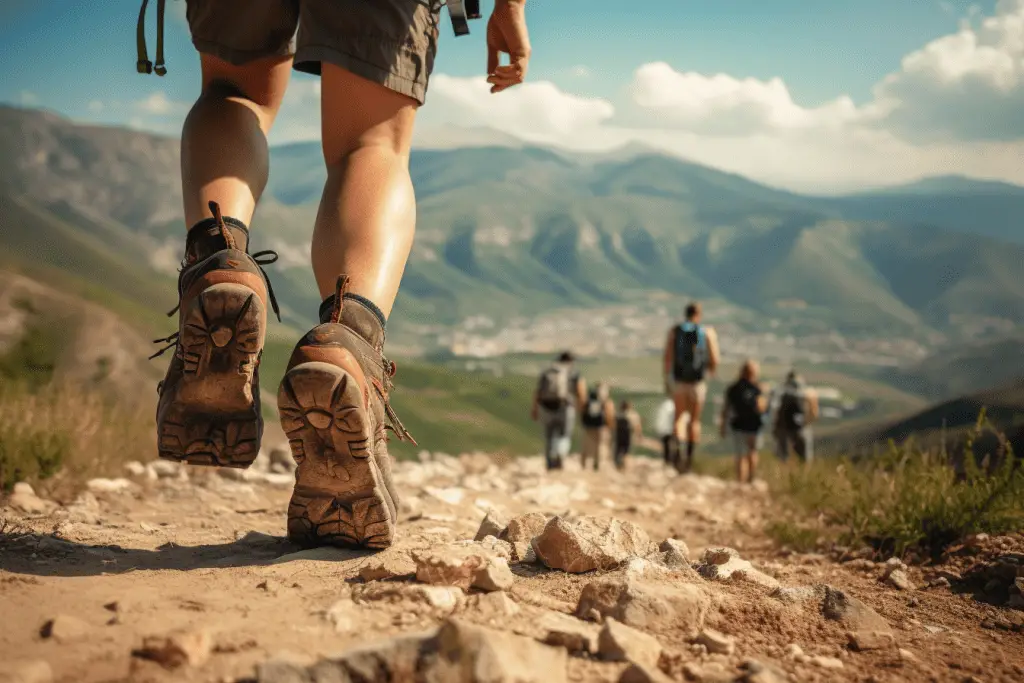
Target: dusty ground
(203, 552)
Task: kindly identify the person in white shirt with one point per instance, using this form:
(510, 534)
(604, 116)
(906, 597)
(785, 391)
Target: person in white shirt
(664, 425)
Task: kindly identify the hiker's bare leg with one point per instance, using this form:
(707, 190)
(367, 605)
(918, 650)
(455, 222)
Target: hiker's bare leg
(367, 215)
(224, 154)
(752, 465)
(693, 428)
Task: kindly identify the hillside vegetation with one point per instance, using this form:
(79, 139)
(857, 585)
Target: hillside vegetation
(515, 231)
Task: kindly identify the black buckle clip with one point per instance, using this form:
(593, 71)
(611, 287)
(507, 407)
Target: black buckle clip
(460, 11)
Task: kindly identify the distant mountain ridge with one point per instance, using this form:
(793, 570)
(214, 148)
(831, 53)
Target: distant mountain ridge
(513, 231)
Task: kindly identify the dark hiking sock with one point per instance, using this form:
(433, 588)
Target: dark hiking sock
(327, 307)
(207, 237)
(691, 446)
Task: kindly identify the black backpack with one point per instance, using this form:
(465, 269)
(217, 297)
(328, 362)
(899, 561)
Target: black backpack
(791, 409)
(746, 412)
(690, 356)
(593, 411)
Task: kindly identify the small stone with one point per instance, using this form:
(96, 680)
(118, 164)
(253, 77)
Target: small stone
(452, 495)
(386, 566)
(176, 649)
(492, 525)
(23, 488)
(441, 598)
(620, 643)
(523, 528)
(793, 651)
(827, 662)
(473, 654)
(65, 629)
(341, 614)
(645, 604)
(135, 468)
(862, 641)
(587, 543)
(574, 635)
(851, 612)
(675, 552)
(898, 578)
(795, 595)
(907, 655)
(493, 576)
(723, 564)
(449, 565)
(637, 673)
(716, 642)
(497, 604)
(101, 485)
(755, 671)
(24, 499)
(25, 671)
(271, 586)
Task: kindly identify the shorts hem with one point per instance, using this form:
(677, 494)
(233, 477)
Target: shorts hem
(239, 57)
(308, 59)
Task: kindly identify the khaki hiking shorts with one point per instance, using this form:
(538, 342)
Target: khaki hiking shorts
(391, 42)
(690, 394)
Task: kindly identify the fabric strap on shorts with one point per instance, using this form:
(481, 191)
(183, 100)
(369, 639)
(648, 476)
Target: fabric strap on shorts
(460, 11)
(143, 65)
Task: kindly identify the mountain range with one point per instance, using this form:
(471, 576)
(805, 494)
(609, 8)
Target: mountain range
(515, 231)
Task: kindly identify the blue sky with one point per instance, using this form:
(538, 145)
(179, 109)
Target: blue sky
(77, 57)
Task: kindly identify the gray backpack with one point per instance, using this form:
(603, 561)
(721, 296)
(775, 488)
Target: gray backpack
(554, 390)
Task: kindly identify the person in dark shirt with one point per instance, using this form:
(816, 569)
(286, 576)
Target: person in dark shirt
(743, 412)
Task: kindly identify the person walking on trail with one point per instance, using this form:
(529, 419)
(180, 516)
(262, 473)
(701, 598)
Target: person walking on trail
(628, 429)
(597, 419)
(743, 411)
(796, 408)
(691, 355)
(374, 61)
(560, 389)
(665, 427)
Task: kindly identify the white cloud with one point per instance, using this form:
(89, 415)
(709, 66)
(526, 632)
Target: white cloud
(724, 105)
(968, 85)
(95, 106)
(580, 71)
(28, 99)
(536, 111)
(157, 103)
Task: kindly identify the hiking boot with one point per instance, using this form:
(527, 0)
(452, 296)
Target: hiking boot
(209, 407)
(333, 403)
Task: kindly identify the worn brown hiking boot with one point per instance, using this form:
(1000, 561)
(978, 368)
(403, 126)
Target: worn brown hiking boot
(209, 408)
(334, 407)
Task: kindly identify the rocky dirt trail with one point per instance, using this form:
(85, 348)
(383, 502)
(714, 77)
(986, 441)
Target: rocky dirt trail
(502, 573)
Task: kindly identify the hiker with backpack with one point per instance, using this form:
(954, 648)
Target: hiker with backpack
(691, 355)
(743, 412)
(373, 61)
(597, 419)
(627, 429)
(560, 389)
(796, 407)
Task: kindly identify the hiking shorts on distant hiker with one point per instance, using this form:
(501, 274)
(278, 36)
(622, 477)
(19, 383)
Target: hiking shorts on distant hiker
(390, 42)
(690, 393)
(744, 441)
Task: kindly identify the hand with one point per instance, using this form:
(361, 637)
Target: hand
(506, 32)
(534, 414)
